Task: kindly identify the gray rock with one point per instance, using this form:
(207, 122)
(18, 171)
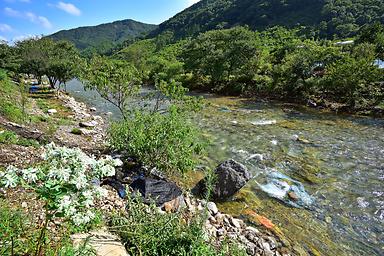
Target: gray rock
(93, 109)
(231, 176)
(212, 208)
(235, 222)
(52, 111)
(88, 124)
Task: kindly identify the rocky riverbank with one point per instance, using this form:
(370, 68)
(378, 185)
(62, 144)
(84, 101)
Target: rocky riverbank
(91, 138)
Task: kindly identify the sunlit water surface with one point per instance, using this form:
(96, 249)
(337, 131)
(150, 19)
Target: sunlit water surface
(339, 160)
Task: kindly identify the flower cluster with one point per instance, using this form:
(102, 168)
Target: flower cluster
(68, 180)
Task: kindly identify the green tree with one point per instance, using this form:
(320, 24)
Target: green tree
(115, 80)
(373, 34)
(354, 79)
(220, 54)
(57, 60)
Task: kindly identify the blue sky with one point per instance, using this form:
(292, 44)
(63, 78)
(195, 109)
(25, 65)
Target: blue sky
(25, 18)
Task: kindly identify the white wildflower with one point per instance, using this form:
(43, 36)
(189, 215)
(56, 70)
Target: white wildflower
(100, 192)
(118, 162)
(88, 198)
(61, 174)
(83, 218)
(9, 178)
(80, 181)
(30, 175)
(107, 171)
(65, 203)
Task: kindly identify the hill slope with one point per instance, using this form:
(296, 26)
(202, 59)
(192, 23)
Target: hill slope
(103, 37)
(342, 17)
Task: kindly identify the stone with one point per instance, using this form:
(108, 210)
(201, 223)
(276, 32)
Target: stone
(235, 222)
(212, 208)
(24, 205)
(219, 218)
(52, 111)
(92, 109)
(174, 205)
(253, 230)
(221, 232)
(267, 249)
(293, 196)
(104, 243)
(90, 124)
(231, 176)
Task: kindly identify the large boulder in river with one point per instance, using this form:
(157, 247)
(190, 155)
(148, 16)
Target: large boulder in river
(231, 176)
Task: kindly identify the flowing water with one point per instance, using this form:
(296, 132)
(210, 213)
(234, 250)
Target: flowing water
(338, 159)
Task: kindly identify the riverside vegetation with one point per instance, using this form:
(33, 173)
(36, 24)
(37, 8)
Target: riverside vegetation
(276, 63)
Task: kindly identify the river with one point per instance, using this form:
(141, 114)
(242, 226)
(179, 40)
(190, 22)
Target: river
(339, 160)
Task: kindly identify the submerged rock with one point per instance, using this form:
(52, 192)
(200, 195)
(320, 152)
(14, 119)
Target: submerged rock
(289, 191)
(231, 176)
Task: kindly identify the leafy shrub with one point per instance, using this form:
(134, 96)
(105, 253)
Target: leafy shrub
(166, 141)
(8, 105)
(3, 75)
(8, 137)
(145, 231)
(76, 131)
(65, 183)
(18, 235)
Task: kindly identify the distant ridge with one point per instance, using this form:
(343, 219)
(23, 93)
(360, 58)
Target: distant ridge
(325, 17)
(104, 37)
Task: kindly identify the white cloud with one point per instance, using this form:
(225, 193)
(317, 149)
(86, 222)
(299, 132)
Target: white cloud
(41, 20)
(23, 37)
(11, 12)
(5, 28)
(192, 2)
(69, 8)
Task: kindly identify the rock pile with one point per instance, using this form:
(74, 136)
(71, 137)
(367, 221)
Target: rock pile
(221, 226)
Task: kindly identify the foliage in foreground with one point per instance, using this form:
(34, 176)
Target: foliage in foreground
(8, 137)
(65, 183)
(165, 141)
(145, 231)
(19, 235)
(9, 99)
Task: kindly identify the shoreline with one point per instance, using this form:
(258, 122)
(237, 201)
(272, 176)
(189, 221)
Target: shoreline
(218, 226)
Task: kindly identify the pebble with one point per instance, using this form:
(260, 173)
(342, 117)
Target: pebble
(212, 208)
(52, 111)
(235, 222)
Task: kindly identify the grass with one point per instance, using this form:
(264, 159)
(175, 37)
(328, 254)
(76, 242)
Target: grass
(19, 233)
(9, 95)
(146, 231)
(9, 137)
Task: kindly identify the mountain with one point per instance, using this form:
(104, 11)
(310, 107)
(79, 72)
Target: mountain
(104, 37)
(326, 17)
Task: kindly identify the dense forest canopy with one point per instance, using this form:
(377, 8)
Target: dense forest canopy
(325, 18)
(104, 37)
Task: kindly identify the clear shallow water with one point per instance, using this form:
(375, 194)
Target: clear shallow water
(339, 160)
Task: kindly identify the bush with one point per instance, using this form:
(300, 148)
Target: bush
(9, 137)
(3, 75)
(145, 231)
(165, 141)
(9, 96)
(18, 234)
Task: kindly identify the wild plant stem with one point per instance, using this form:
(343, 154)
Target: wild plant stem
(42, 233)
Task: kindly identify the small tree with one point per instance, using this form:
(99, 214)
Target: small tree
(57, 60)
(116, 81)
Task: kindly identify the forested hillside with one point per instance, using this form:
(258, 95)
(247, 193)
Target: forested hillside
(103, 37)
(322, 17)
